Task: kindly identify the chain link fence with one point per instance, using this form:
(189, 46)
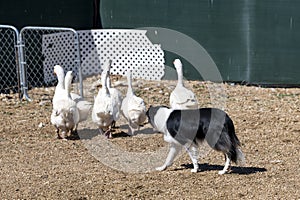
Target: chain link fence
(34, 54)
(26, 63)
(9, 68)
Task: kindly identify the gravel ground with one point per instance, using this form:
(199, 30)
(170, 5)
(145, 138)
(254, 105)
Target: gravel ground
(36, 165)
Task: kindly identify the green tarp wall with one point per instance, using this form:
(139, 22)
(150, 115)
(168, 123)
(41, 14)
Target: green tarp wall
(77, 14)
(251, 41)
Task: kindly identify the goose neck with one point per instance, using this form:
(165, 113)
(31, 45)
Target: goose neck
(180, 76)
(60, 78)
(68, 91)
(129, 81)
(108, 82)
(68, 83)
(104, 80)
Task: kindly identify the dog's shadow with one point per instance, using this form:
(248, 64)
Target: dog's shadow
(233, 170)
(120, 134)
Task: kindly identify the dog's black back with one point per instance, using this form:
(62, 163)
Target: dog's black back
(209, 124)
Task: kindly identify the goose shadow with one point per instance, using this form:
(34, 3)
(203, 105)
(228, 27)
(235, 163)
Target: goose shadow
(88, 133)
(120, 135)
(74, 136)
(143, 129)
(124, 134)
(233, 170)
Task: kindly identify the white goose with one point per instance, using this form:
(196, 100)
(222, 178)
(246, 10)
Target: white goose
(133, 108)
(65, 115)
(116, 96)
(181, 97)
(83, 106)
(104, 105)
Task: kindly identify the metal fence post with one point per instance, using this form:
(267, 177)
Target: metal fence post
(78, 61)
(24, 87)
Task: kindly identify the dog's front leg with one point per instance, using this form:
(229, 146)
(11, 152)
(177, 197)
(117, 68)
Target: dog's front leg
(193, 153)
(173, 152)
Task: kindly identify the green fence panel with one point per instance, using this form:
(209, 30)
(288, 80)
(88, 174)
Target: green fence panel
(250, 41)
(275, 40)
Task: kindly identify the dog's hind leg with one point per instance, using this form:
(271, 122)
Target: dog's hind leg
(173, 152)
(194, 154)
(227, 164)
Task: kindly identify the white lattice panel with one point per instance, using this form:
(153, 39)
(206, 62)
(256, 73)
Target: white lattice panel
(128, 49)
(58, 49)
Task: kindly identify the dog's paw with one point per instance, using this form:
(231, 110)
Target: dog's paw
(162, 168)
(222, 172)
(195, 170)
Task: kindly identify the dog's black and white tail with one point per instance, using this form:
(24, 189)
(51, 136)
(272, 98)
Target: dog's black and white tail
(237, 155)
(229, 144)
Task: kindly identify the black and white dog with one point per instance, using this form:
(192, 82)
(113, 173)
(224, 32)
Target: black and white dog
(190, 127)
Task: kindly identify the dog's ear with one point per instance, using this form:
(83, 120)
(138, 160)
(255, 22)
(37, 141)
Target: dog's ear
(150, 107)
(147, 113)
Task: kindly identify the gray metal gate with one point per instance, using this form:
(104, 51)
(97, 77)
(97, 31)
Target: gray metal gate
(32, 57)
(9, 68)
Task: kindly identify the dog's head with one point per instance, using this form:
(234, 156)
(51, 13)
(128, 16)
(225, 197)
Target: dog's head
(151, 114)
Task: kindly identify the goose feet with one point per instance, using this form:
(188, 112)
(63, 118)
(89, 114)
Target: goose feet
(74, 135)
(57, 132)
(107, 133)
(58, 136)
(113, 124)
(62, 135)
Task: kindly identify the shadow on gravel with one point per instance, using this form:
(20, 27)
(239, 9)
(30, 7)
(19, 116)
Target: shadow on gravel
(234, 169)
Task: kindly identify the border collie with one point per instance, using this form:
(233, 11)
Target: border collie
(188, 128)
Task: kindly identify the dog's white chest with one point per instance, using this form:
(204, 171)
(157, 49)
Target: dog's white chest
(160, 119)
